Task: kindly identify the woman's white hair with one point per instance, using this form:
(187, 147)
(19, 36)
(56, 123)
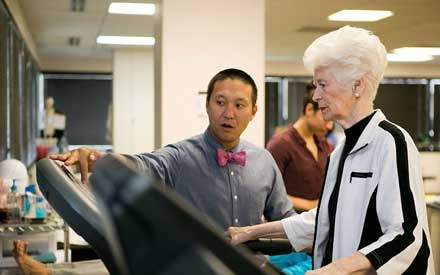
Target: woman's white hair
(350, 53)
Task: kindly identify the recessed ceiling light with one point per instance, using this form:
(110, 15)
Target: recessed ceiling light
(360, 15)
(125, 40)
(418, 50)
(132, 8)
(394, 57)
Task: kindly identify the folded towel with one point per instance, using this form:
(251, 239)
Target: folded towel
(46, 258)
(293, 263)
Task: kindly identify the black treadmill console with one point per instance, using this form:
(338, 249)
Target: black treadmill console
(76, 204)
(138, 226)
(159, 233)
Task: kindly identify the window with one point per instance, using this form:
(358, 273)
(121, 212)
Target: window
(3, 84)
(18, 94)
(84, 99)
(412, 103)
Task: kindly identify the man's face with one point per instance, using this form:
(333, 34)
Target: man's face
(316, 122)
(230, 110)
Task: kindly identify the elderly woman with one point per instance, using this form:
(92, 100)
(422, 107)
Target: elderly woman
(372, 214)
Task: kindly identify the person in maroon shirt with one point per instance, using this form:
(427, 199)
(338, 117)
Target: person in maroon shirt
(301, 153)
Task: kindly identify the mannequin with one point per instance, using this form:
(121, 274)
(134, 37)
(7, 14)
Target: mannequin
(49, 117)
(54, 126)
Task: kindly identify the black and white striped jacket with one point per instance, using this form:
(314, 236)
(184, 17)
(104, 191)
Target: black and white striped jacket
(381, 209)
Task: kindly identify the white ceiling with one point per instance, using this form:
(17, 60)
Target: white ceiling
(51, 23)
(291, 25)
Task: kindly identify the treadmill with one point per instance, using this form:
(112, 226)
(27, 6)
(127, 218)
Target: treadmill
(76, 204)
(139, 226)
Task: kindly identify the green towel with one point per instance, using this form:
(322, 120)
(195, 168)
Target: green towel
(46, 258)
(293, 263)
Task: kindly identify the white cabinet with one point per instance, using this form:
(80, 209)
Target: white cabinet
(431, 171)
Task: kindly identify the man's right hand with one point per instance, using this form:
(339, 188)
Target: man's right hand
(85, 156)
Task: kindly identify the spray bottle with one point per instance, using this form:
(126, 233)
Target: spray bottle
(13, 214)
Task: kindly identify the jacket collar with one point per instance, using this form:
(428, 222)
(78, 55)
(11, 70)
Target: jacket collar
(368, 133)
(364, 139)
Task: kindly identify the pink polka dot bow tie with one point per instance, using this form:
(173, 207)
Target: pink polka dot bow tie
(223, 157)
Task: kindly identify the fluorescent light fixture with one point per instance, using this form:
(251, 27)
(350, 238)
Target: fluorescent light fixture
(132, 8)
(418, 50)
(360, 15)
(394, 57)
(125, 40)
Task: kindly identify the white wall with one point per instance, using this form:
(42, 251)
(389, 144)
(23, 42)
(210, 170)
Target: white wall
(198, 39)
(133, 100)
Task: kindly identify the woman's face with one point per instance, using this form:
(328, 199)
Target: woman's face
(336, 102)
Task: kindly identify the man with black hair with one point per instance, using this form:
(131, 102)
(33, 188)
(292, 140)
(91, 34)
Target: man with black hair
(301, 153)
(230, 180)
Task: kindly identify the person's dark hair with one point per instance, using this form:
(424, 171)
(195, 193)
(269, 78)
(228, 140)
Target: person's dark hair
(308, 97)
(233, 74)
